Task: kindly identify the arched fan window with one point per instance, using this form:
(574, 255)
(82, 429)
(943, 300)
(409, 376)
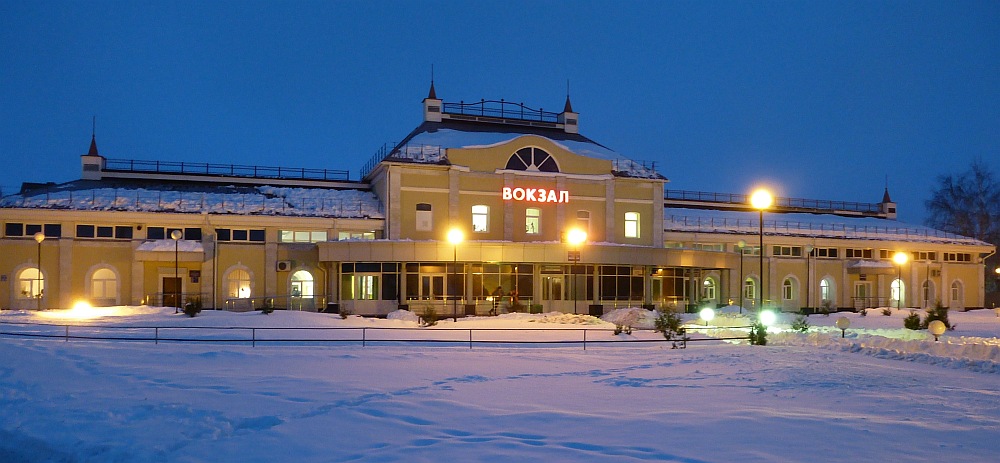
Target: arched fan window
(533, 159)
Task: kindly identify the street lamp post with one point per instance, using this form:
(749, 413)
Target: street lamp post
(760, 200)
(575, 237)
(899, 258)
(39, 237)
(809, 253)
(455, 236)
(176, 236)
(740, 245)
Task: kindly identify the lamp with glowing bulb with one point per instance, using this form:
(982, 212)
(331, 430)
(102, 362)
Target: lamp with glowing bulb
(760, 200)
(899, 258)
(455, 237)
(39, 237)
(575, 237)
(176, 236)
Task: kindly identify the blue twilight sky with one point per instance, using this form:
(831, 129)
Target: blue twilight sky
(822, 100)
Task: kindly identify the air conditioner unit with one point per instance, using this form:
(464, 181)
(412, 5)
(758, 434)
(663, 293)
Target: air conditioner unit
(284, 265)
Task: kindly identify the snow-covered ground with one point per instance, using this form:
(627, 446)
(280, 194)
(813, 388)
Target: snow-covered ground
(880, 393)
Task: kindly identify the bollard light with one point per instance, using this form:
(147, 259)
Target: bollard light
(843, 323)
(707, 314)
(936, 328)
(768, 317)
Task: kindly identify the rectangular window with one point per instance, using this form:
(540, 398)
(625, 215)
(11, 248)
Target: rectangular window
(193, 234)
(84, 231)
(105, 232)
(583, 220)
(156, 233)
(480, 218)
(829, 253)
(301, 236)
(924, 255)
(532, 217)
(631, 224)
(425, 220)
(859, 253)
(751, 250)
(344, 236)
(788, 251)
(227, 234)
(13, 229)
(957, 257)
(123, 232)
(708, 247)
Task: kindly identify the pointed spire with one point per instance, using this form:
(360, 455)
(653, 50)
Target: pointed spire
(93, 139)
(432, 95)
(93, 147)
(569, 106)
(885, 196)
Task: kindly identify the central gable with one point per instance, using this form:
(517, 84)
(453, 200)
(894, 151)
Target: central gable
(529, 153)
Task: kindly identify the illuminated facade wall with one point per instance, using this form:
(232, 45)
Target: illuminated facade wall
(514, 238)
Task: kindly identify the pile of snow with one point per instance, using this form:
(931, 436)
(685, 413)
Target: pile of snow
(567, 319)
(403, 315)
(632, 316)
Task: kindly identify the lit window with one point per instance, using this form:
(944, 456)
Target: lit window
(825, 291)
(366, 236)
(480, 218)
(749, 289)
(104, 284)
(302, 284)
(709, 289)
(238, 284)
(787, 290)
(31, 284)
(531, 220)
(631, 224)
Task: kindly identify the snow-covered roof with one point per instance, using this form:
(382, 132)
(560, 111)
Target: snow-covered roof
(196, 198)
(807, 225)
(428, 142)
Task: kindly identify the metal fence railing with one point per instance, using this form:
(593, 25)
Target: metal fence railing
(363, 336)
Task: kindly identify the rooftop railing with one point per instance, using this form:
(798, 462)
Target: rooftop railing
(789, 227)
(414, 153)
(789, 203)
(224, 170)
(500, 109)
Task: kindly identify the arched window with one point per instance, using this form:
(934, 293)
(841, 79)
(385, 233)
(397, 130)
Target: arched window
(709, 289)
(826, 291)
(896, 291)
(302, 284)
(30, 283)
(532, 159)
(957, 295)
(104, 287)
(238, 283)
(788, 289)
(749, 290)
(927, 291)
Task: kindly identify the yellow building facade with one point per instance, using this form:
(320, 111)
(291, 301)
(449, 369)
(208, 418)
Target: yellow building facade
(513, 181)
